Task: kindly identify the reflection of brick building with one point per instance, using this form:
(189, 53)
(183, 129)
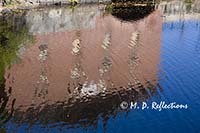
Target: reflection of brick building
(113, 54)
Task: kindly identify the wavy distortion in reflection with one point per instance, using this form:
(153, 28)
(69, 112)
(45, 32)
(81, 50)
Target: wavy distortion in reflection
(79, 70)
(13, 38)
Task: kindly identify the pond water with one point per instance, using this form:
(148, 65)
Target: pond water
(70, 69)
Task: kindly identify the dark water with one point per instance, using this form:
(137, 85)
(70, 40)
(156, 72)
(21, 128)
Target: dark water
(69, 70)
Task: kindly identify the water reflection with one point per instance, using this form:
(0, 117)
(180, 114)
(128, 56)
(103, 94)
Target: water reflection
(55, 20)
(82, 65)
(13, 38)
(83, 112)
(180, 10)
(5, 113)
(131, 12)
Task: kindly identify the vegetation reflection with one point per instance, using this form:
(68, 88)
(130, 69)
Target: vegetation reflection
(13, 36)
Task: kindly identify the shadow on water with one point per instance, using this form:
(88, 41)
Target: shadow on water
(130, 11)
(84, 112)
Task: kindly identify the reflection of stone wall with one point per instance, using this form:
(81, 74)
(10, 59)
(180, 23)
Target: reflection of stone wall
(58, 20)
(180, 10)
(45, 2)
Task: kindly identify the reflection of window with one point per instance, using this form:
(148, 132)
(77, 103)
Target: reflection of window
(133, 57)
(43, 52)
(75, 73)
(106, 41)
(76, 47)
(89, 89)
(106, 64)
(41, 89)
(133, 46)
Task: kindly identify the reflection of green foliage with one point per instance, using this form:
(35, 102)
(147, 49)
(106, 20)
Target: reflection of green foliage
(12, 36)
(73, 2)
(188, 7)
(109, 8)
(189, 1)
(73, 7)
(2, 130)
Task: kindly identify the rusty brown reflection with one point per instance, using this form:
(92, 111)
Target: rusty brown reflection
(76, 70)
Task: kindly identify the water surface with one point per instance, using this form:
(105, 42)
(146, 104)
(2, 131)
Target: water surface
(68, 70)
